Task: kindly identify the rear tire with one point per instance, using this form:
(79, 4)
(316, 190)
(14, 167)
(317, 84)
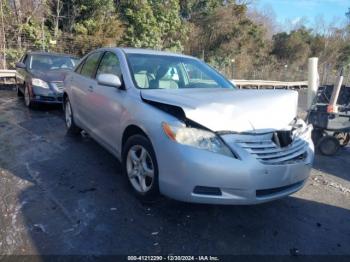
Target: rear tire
(328, 145)
(140, 167)
(72, 128)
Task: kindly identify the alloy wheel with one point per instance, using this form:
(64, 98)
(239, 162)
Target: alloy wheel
(140, 169)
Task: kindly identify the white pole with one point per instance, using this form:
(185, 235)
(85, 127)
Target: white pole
(3, 40)
(313, 80)
(42, 34)
(335, 94)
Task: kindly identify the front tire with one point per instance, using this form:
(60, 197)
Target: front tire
(27, 97)
(140, 167)
(72, 128)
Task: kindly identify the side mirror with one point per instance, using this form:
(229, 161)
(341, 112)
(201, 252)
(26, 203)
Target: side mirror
(109, 80)
(20, 65)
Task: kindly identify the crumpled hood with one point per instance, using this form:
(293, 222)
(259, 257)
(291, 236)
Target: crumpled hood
(51, 75)
(232, 110)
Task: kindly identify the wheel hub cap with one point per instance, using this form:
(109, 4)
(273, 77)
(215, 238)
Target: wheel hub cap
(140, 169)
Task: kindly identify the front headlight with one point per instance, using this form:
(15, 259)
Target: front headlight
(197, 138)
(40, 83)
(301, 129)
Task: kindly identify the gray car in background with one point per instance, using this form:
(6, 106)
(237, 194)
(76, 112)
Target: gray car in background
(40, 75)
(183, 130)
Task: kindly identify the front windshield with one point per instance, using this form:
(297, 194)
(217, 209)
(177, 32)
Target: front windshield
(51, 62)
(172, 72)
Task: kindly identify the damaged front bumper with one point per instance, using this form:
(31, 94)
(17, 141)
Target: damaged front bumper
(194, 175)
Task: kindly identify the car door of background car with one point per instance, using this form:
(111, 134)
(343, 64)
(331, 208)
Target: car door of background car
(21, 73)
(82, 85)
(107, 105)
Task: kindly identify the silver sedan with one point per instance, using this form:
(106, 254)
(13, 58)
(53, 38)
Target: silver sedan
(182, 129)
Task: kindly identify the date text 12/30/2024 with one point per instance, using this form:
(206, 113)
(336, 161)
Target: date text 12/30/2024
(173, 258)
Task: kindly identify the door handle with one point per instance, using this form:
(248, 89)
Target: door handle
(91, 88)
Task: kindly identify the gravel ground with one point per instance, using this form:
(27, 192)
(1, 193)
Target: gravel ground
(64, 195)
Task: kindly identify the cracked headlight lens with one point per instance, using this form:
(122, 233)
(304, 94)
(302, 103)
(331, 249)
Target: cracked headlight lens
(197, 138)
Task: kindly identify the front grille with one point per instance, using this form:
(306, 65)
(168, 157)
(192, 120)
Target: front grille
(204, 190)
(273, 191)
(59, 86)
(47, 98)
(263, 148)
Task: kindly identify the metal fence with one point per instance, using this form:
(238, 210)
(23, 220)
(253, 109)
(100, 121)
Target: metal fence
(68, 44)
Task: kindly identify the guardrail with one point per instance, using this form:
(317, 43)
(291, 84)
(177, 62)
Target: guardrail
(7, 74)
(269, 84)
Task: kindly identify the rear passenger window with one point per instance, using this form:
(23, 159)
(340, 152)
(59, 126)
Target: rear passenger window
(79, 67)
(90, 65)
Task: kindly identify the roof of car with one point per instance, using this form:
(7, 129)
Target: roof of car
(130, 50)
(49, 53)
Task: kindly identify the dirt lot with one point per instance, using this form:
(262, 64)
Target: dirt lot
(64, 195)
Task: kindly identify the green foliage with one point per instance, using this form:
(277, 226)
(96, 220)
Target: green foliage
(222, 32)
(13, 55)
(345, 55)
(171, 27)
(296, 46)
(192, 8)
(317, 45)
(141, 23)
(92, 24)
(38, 36)
(153, 24)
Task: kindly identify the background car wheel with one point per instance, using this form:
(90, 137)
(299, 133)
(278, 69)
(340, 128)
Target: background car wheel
(27, 97)
(140, 167)
(72, 128)
(328, 145)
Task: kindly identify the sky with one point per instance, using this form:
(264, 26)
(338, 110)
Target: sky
(297, 10)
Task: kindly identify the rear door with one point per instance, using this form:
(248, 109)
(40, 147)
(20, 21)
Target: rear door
(82, 85)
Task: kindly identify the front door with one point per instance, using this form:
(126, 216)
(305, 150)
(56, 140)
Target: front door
(107, 104)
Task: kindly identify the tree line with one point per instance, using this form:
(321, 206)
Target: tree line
(226, 34)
